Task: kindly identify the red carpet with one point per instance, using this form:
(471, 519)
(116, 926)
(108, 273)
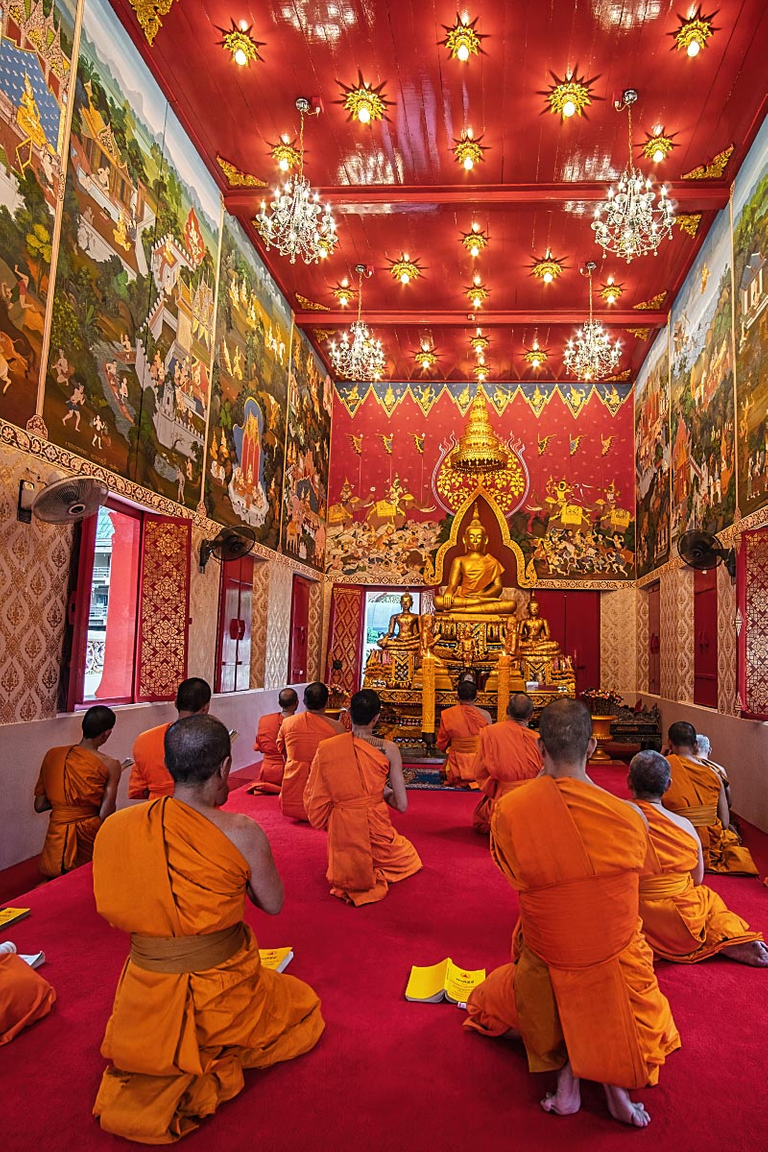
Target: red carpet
(389, 1076)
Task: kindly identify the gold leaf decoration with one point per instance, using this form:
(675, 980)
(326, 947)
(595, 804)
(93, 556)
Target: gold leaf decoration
(651, 305)
(310, 305)
(620, 376)
(689, 224)
(148, 13)
(238, 179)
(639, 333)
(713, 170)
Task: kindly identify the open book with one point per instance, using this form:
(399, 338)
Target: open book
(11, 915)
(276, 958)
(443, 981)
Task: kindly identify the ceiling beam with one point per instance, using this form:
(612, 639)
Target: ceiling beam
(627, 318)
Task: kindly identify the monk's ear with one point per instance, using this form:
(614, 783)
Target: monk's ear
(225, 768)
(591, 747)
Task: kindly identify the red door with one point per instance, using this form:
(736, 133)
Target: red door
(297, 659)
(705, 638)
(574, 621)
(233, 669)
(654, 639)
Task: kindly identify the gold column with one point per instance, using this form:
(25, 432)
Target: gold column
(428, 694)
(502, 669)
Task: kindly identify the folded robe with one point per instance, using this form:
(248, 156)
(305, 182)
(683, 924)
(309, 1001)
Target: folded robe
(24, 997)
(583, 988)
(179, 1039)
(694, 793)
(272, 765)
(459, 730)
(682, 921)
(298, 741)
(149, 776)
(73, 779)
(508, 753)
(345, 794)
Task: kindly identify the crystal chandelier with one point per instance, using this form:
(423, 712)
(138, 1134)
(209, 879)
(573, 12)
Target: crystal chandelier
(628, 222)
(296, 223)
(591, 355)
(357, 356)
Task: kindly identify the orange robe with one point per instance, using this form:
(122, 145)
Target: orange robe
(508, 753)
(73, 779)
(682, 921)
(272, 765)
(583, 987)
(149, 776)
(459, 734)
(24, 997)
(345, 794)
(298, 741)
(694, 793)
(181, 1034)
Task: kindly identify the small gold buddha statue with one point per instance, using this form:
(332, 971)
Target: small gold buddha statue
(535, 637)
(403, 633)
(474, 582)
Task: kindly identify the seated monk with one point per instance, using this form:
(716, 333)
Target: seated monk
(581, 992)
(458, 734)
(194, 1006)
(703, 750)
(683, 919)
(474, 582)
(24, 996)
(78, 786)
(697, 792)
(298, 740)
(535, 636)
(352, 780)
(273, 765)
(149, 776)
(508, 753)
(403, 632)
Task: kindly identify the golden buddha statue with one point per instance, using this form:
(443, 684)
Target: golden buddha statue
(474, 582)
(535, 637)
(403, 634)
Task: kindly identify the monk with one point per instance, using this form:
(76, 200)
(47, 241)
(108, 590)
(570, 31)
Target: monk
(698, 793)
(149, 776)
(273, 765)
(78, 786)
(298, 741)
(683, 920)
(459, 732)
(508, 753)
(703, 750)
(24, 996)
(193, 1006)
(581, 993)
(353, 779)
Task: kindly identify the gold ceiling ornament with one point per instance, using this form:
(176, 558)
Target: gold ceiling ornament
(238, 41)
(477, 293)
(535, 356)
(363, 102)
(475, 241)
(694, 32)
(480, 372)
(479, 449)
(343, 292)
(570, 95)
(405, 270)
(690, 224)
(714, 170)
(479, 343)
(285, 153)
(639, 333)
(468, 151)
(547, 268)
(611, 291)
(238, 179)
(620, 377)
(658, 145)
(426, 357)
(148, 13)
(322, 334)
(463, 39)
(310, 305)
(651, 305)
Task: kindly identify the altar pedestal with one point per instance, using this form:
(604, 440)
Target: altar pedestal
(601, 730)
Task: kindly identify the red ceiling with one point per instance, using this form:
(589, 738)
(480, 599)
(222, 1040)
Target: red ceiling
(395, 186)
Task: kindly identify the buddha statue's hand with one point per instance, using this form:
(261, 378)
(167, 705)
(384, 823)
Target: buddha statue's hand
(447, 599)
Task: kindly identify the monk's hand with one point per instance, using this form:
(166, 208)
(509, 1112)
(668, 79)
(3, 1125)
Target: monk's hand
(388, 794)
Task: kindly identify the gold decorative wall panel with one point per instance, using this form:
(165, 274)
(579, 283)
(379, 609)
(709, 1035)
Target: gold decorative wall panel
(278, 634)
(163, 608)
(259, 624)
(315, 632)
(642, 637)
(203, 612)
(677, 634)
(726, 643)
(618, 630)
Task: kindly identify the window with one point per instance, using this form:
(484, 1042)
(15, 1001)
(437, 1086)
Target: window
(233, 669)
(379, 608)
(705, 638)
(654, 639)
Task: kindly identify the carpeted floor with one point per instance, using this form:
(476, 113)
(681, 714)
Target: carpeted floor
(389, 1076)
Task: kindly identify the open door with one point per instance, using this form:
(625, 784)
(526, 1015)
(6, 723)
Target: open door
(233, 666)
(297, 658)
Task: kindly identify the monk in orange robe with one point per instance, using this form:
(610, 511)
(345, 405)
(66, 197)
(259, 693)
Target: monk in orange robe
(194, 1006)
(581, 992)
(508, 753)
(298, 741)
(353, 779)
(683, 919)
(24, 996)
(149, 776)
(697, 792)
(273, 765)
(78, 786)
(459, 734)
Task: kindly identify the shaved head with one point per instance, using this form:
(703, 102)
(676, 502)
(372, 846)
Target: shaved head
(467, 690)
(287, 698)
(649, 774)
(520, 707)
(682, 735)
(565, 729)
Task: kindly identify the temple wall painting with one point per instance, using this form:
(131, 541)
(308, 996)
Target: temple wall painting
(244, 471)
(569, 498)
(652, 457)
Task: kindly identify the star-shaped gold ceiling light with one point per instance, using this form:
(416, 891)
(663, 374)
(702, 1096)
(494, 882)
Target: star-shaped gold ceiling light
(611, 291)
(238, 41)
(462, 38)
(343, 292)
(468, 150)
(475, 241)
(285, 153)
(570, 95)
(477, 293)
(694, 32)
(658, 145)
(405, 270)
(536, 356)
(363, 102)
(547, 268)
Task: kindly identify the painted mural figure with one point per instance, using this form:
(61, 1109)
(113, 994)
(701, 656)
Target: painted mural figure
(76, 400)
(403, 632)
(474, 583)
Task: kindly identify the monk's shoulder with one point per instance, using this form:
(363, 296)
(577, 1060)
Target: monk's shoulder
(147, 740)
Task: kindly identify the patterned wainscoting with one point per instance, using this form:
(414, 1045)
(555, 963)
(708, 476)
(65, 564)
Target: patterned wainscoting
(726, 643)
(676, 610)
(259, 620)
(642, 638)
(315, 632)
(278, 634)
(618, 629)
(203, 612)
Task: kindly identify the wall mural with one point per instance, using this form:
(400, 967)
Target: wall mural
(572, 508)
(703, 442)
(35, 69)
(307, 453)
(652, 457)
(750, 249)
(132, 333)
(244, 480)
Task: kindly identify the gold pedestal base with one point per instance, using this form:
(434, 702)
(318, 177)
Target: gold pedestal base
(601, 730)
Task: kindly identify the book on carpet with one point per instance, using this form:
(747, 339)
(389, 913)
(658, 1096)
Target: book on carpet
(35, 959)
(443, 981)
(276, 958)
(11, 915)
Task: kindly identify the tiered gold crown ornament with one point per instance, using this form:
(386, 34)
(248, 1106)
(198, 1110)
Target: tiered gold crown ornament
(479, 448)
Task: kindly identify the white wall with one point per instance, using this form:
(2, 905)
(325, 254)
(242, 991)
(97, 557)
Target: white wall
(22, 747)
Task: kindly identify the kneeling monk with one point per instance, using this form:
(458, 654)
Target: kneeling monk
(582, 993)
(508, 753)
(194, 1006)
(683, 920)
(272, 765)
(24, 996)
(348, 793)
(458, 734)
(298, 741)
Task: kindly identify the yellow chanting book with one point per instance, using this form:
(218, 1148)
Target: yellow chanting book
(11, 915)
(276, 958)
(443, 981)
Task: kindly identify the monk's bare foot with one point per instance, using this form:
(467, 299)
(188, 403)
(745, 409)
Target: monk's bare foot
(754, 953)
(567, 1099)
(623, 1109)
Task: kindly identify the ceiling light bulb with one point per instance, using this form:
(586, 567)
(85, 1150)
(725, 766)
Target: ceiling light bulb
(535, 362)
(694, 48)
(611, 298)
(364, 114)
(463, 52)
(547, 277)
(343, 301)
(477, 301)
(569, 108)
(468, 163)
(476, 278)
(658, 156)
(474, 250)
(404, 278)
(240, 57)
(283, 165)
